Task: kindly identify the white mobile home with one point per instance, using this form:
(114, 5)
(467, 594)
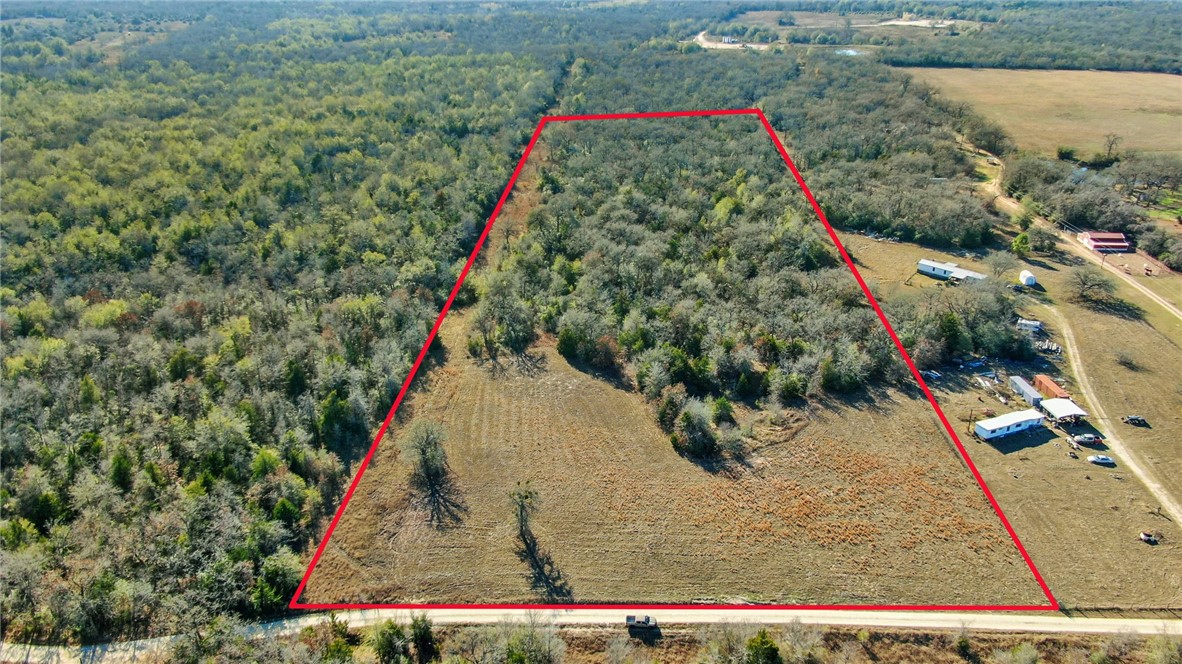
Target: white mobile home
(1004, 425)
(947, 271)
(1029, 326)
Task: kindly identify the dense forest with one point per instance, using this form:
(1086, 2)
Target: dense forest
(227, 229)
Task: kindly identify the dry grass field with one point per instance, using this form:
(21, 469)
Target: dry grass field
(1079, 521)
(1043, 110)
(859, 502)
(840, 504)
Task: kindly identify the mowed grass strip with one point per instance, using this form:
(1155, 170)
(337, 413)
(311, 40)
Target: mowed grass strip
(1043, 110)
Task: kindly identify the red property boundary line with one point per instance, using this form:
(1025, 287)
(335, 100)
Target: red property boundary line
(1052, 606)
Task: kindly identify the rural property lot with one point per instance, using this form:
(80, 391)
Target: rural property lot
(1043, 110)
(864, 501)
(1079, 522)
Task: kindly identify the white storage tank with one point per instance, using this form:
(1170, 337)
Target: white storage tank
(1027, 278)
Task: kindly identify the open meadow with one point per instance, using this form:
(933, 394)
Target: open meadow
(1079, 521)
(1043, 110)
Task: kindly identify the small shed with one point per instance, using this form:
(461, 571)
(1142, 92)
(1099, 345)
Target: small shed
(1049, 388)
(1026, 278)
(1004, 425)
(1025, 390)
(1062, 410)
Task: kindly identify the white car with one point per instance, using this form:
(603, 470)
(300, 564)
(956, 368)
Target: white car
(1101, 460)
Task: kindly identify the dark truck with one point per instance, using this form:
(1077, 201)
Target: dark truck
(647, 622)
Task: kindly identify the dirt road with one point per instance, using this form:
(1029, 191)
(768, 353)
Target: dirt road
(1099, 419)
(150, 650)
(1004, 203)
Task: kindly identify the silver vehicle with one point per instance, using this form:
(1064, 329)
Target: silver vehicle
(1101, 460)
(647, 622)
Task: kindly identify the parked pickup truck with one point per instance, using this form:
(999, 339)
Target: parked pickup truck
(647, 622)
(1087, 438)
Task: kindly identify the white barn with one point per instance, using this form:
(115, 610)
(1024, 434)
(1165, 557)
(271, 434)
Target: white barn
(947, 271)
(1004, 425)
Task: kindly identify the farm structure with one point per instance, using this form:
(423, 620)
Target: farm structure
(1025, 390)
(1062, 410)
(948, 271)
(1004, 425)
(1049, 388)
(1104, 242)
(1027, 278)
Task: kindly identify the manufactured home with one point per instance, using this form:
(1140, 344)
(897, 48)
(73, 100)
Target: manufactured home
(948, 271)
(1029, 326)
(1004, 425)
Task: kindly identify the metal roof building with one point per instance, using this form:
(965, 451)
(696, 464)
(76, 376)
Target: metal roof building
(1062, 409)
(1025, 390)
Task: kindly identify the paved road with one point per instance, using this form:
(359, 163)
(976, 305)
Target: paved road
(150, 650)
(1099, 419)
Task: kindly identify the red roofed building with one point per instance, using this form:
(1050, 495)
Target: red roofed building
(1113, 242)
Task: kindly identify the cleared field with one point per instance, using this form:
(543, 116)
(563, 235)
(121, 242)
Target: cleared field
(1043, 110)
(839, 504)
(1079, 521)
(112, 44)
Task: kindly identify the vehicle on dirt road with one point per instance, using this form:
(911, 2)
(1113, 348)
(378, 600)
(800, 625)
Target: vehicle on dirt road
(1087, 438)
(1101, 460)
(647, 622)
(1135, 420)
